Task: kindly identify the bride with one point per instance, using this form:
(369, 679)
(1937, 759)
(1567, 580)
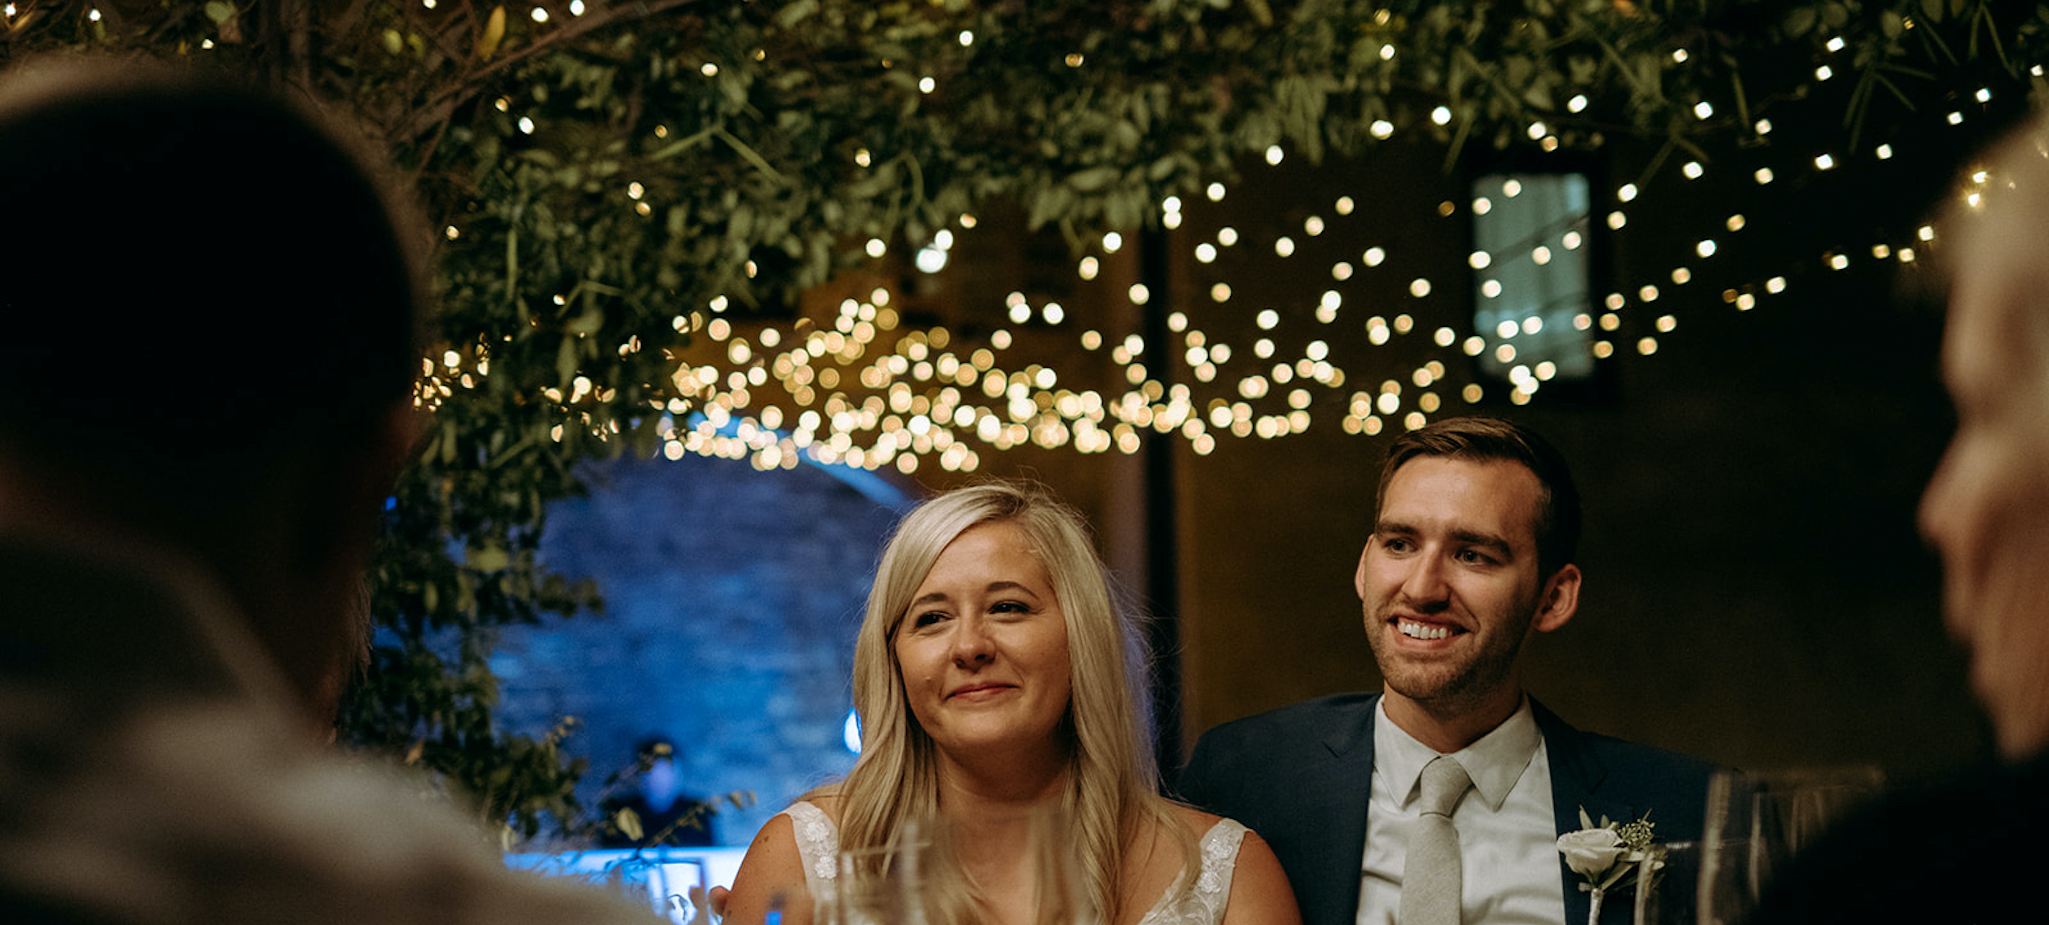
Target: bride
(998, 684)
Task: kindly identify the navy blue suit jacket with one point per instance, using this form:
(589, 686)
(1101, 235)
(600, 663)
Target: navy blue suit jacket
(1300, 776)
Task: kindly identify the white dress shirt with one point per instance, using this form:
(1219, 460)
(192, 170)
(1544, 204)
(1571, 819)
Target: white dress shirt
(1508, 835)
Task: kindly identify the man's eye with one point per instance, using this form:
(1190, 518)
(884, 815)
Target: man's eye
(1396, 544)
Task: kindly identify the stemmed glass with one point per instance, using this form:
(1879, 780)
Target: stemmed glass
(890, 885)
(672, 887)
(679, 887)
(921, 877)
(1662, 890)
(1057, 883)
(1756, 824)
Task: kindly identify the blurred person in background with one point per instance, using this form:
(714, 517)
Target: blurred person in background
(211, 305)
(1969, 849)
(662, 814)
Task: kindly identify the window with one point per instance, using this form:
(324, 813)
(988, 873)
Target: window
(1531, 252)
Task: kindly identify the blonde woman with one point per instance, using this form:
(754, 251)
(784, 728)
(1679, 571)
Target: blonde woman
(997, 683)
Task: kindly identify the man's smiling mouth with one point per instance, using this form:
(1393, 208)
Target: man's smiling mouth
(1415, 630)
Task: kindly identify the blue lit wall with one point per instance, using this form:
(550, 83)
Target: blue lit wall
(731, 601)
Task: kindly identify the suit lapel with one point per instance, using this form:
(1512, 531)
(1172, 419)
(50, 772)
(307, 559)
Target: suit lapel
(1576, 776)
(1350, 777)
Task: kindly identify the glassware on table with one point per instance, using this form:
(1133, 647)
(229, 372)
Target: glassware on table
(921, 878)
(1058, 888)
(890, 885)
(663, 882)
(680, 889)
(1757, 823)
(1662, 890)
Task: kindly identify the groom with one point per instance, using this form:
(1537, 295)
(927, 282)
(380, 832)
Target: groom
(1471, 554)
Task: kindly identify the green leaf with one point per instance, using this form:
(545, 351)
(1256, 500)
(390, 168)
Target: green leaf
(219, 11)
(565, 362)
(1092, 179)
(590, 320)
(793, 13)
(488, 558)
(1800, 21)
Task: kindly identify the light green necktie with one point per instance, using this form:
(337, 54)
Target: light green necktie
(1431, 872)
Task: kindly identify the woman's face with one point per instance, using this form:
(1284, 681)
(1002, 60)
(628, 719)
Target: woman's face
(983, 648)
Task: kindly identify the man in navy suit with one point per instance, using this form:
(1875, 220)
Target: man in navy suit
(1471, 554)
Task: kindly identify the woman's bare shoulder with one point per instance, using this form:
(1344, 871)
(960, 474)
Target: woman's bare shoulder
(1193, 821)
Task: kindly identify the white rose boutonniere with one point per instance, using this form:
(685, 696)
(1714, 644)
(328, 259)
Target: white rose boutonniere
(1591, 852)
(1603, 854)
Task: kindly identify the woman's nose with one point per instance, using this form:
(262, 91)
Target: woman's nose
(1932, 514)
(971, 643)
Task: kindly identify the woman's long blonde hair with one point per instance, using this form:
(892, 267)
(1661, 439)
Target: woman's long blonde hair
(1114, 783)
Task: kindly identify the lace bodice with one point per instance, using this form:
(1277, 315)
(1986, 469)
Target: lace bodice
(818, 846)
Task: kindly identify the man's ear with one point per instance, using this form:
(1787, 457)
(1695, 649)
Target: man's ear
(1359, 577)
(1559, 601)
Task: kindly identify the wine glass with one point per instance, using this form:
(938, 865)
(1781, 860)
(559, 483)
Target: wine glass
(1057, 888)
(664, 883)
(1662, 888)
(889, 885)
(1757, 824)
(679, 885)
(921, 877)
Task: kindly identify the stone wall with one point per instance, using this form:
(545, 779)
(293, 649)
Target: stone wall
(731, 601)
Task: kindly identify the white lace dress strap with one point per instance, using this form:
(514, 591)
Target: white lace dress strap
(1211, 892)
(818, 842)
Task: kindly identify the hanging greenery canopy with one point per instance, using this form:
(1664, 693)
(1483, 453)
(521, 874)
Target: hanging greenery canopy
(610, 181)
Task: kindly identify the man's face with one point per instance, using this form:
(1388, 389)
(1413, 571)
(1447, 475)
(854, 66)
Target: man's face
(1449, 582)
(1987, 509)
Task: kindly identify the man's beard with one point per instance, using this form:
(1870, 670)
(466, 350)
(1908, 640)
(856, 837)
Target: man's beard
(1451, 688)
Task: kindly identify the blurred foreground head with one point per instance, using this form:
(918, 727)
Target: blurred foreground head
(210, 303)
(1987, 509)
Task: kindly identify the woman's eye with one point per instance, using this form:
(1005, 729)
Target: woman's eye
(1010, 607)
(927, 619)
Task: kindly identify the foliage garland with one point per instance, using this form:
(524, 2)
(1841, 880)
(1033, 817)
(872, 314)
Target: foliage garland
(598, 170)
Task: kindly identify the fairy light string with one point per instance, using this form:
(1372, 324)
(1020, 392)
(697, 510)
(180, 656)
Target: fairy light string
(861, 387)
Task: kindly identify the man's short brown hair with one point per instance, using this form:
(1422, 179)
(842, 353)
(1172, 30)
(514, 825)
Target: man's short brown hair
(1485, 438)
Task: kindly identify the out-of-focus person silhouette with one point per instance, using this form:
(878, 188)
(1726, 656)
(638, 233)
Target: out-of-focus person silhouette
(1970, 849)
(210, 304)
(662, 814)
